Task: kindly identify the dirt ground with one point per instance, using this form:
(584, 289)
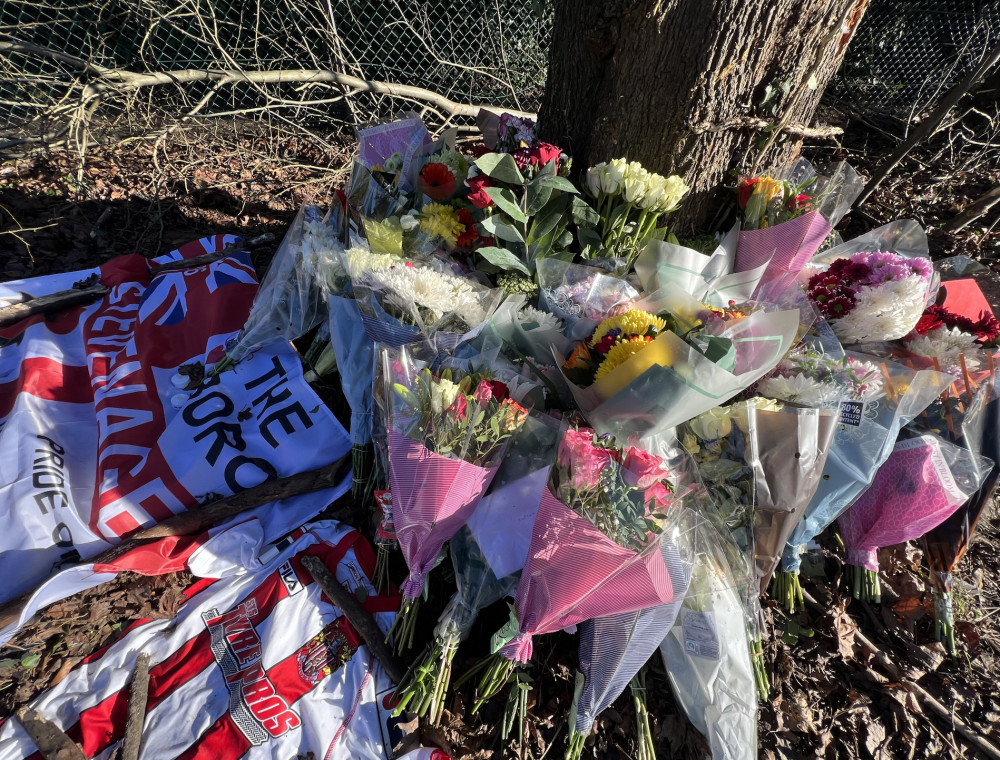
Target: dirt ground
(831, 698)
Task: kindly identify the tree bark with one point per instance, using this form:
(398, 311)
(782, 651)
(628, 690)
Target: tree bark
(681, 85)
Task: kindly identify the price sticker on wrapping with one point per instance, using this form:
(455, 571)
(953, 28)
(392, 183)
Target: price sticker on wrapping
(701, 639)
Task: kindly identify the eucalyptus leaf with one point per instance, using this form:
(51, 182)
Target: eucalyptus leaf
(501, 167)
(559, 183)
(582, 214)
(503, 258)
(538, 197)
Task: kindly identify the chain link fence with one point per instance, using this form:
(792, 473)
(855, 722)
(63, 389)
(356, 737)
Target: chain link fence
(904, 54)
(467, 50)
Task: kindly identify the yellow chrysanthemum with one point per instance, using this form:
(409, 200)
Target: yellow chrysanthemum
(438, 220)
(620, 353)
(632, 322)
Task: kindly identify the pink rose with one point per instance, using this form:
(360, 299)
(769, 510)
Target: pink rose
(658, 496)
(458, 409)
(582, 460)
(644, 468)
(483, 394)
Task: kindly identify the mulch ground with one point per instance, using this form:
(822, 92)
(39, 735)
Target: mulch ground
(830, 698)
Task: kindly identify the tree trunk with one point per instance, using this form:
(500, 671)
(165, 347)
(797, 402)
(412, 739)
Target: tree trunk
(701, 88)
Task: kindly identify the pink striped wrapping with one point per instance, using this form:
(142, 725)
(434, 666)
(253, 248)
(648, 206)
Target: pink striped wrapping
(913, 492)
(432, 497)
(575, 573)
(791, 244)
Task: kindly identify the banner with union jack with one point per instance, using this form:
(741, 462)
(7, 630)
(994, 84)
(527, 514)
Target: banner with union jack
(98, 437)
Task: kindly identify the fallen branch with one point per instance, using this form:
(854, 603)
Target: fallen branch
(105, 79)
(52, 742)
(67, 299)
(897, 676)
(979, 207)
(196, 521)
(751, 122)
(356, 615)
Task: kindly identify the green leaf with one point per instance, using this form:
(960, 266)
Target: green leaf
(543, 225)
(583, 215)
(590, 241)
(30, 660)
(538, 196)
(493, 226)
(501, 167)
(503, 258)
(558, 183)
(505, 200)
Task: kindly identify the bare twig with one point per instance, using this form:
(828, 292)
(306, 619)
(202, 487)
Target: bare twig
(357, 616)
(52, 742)
(979, 207)
(928, 126)
(751, 122)
(64, 299)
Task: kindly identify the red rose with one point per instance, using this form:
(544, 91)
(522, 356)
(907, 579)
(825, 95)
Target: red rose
(477, 191)
(537, 157)
(436, 181)
(800, 203)
(500, 390)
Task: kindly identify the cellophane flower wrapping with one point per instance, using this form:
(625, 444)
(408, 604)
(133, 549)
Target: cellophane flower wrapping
(785, 248)
(672, 380)
(402, 301)
(576, 571)
(581, 295)
(446, 436)
(923, 481)
(291, 299)
(708, 278)
(707, 656)
(870, 421)
(614, 648)
(945, 545)
(505, 517)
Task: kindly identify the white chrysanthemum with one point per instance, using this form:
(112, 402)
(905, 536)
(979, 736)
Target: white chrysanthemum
(799, 389)
(320, 251)
(886, 312)
(435, 292)
(534, 319)
(946, 344)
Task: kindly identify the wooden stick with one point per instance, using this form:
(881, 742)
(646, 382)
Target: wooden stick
(974, 210)
(356, 615)
(195, 521)
(52, 741)
(137, 696)
(967, 377)
(64, 299)
(888, 382)
(67, 299)
(896, 674)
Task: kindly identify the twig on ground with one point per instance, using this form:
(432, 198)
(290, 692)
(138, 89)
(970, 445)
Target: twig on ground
(137, 697)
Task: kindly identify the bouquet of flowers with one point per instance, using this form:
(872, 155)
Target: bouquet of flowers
(872, 296)
(945, 545)
(403, 301)
(784, 222)
(921, 484)
(630, 203)
(291, 299)
(581, 296)
(876, 400)
(488, 554)
(707, 657)
(952, 339)
(598, 546)
(613, 650)
(643, 372)
(446, 435)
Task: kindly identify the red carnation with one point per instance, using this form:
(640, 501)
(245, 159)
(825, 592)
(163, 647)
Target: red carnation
(436, 181)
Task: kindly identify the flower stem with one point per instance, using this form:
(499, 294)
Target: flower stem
(944, 620)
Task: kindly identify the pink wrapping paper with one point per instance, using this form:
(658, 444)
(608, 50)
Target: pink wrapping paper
(575, 573)
(432, 497)
(913, 492)
(791, 244)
